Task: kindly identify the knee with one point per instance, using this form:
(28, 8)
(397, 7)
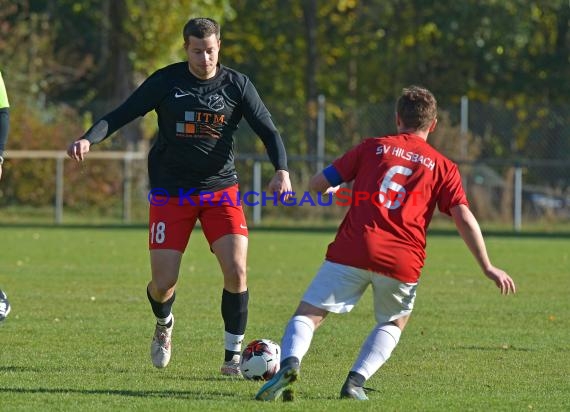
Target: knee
(314, 314)
(234, 269)
(162, 287)
(401, 322)
(237, 272)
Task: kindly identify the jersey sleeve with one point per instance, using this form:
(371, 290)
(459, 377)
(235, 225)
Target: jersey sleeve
(347, 164)
(452, 193)
(4, 116)
(332, 175)
(144, 99)
(4, 104)
(259, 118)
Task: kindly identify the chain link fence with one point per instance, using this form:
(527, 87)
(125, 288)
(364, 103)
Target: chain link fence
(514, 164)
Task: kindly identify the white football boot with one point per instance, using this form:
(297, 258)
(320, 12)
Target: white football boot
(161, 345)
(231, 367)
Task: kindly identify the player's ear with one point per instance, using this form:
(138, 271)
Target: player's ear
(398, 120)
(433, 125)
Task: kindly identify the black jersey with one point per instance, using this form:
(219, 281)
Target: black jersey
(196, 124)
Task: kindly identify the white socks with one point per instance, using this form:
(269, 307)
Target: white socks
(377, 349)
(164, 321)
(233, 342)
(297, 337)
(374, 352)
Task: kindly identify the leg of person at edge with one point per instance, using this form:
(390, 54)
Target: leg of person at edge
(4, 306)
(4, 126)
(381, 242)
(199, 103)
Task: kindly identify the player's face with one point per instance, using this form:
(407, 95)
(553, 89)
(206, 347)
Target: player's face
(202, 56)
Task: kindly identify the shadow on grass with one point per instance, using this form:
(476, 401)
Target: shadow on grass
(169, 394)
(18, 369)
(495, 348)
(195, 395)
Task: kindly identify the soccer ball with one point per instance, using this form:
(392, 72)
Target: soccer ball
(260, 359)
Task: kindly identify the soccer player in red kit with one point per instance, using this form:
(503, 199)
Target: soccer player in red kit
(381, 241)
(199, 104)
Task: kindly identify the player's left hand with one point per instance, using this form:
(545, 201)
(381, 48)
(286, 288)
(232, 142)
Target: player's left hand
(501, 279)
(332, 190)
(281, 184)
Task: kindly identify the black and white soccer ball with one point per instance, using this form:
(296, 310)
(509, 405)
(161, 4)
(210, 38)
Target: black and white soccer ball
(260, 359)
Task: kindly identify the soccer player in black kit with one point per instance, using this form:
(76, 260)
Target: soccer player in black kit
(199, 104)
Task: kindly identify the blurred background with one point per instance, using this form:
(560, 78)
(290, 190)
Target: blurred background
(328, 70)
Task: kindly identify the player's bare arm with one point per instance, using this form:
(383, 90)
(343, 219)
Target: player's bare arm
(469, 229)
(319, 183)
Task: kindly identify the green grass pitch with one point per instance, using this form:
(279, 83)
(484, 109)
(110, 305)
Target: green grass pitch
(79, 332)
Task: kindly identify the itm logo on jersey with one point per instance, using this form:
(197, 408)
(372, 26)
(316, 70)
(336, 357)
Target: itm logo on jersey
(199, 124)
(202, 124)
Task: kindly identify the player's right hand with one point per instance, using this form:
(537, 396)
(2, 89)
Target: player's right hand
(501, 279)
(78, 149)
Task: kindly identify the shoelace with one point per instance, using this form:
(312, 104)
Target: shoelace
(162, 337)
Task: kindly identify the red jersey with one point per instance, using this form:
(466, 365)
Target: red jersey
(403, 178)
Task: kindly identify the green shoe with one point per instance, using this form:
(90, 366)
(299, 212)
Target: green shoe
(275, 386)
(350, 391)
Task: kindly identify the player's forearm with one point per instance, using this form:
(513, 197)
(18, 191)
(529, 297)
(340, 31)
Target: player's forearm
(326, 179)
(98, 132)
(143, 99)
(470, 232)
(319, 183)
(110, 123)
(274, 147)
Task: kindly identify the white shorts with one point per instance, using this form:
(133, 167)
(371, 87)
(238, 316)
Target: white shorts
(338, 288)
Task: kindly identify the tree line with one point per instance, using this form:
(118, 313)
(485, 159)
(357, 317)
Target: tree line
(90, 55)
(67, 62)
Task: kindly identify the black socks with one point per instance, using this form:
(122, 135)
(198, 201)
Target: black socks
(161, 310)
(234, 313)
(355, 379)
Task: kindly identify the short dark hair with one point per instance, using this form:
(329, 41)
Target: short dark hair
(416, 107)
(201, 27)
